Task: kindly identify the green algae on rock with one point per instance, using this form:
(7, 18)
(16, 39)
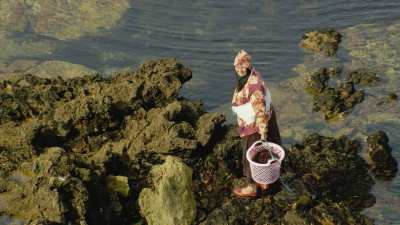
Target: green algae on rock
(172, 200)
(382, 163)
(324, 42)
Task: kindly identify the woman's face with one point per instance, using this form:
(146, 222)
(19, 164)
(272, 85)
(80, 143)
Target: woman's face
(240, 70)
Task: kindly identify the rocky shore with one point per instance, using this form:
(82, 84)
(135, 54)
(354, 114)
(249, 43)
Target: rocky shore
(128, 149)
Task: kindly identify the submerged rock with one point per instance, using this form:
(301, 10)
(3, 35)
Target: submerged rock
(13, 15)
(64, 20)
(382, 163)
(26, 47)
(54, 68)
(324, 42)
(172, 201)
(374, 46)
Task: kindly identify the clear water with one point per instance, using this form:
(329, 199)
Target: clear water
(206, 34)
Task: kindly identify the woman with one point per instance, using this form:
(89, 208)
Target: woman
(255, 115)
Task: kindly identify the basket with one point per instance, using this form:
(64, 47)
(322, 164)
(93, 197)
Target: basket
(265, 173)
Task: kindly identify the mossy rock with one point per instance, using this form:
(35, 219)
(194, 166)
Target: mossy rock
(171, 201)
(382, 163)
(118, 184)
(324, 42)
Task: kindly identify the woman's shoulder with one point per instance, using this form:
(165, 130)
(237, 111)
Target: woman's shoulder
(255, 81)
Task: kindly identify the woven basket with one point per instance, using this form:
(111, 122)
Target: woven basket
(265, 173)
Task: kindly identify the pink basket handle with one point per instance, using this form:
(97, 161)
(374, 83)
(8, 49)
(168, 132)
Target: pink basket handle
(256, 143)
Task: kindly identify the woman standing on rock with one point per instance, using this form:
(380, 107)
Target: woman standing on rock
(256, 117)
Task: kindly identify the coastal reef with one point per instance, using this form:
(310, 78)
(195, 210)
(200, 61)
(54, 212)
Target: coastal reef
(128, 149)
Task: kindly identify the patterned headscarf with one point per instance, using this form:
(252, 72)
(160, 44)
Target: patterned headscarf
(243, 58)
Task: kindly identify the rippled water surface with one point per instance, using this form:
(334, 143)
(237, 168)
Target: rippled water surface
(206, 34)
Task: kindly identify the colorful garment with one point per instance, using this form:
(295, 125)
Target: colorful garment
(252, 106)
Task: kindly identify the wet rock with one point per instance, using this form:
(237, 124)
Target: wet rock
(324, 42)
(382, 163)
(172, 200)
(329, 103)
(317, 82)
(258, 211)
(363, 77)
(334, 214)
(349, 95)
(328, 161)
(333, 101)
(216, 217)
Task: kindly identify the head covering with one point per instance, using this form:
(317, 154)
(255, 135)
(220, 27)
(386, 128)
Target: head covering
(243, 58)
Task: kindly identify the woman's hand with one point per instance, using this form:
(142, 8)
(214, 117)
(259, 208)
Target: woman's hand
(263, 137)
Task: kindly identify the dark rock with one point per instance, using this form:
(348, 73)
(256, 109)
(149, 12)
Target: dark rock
(363, 77)
(393, 97)
(333, 102)
(318, 82)
(382, 163)
(340, 172)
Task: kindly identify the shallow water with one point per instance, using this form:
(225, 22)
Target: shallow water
(205, 35)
